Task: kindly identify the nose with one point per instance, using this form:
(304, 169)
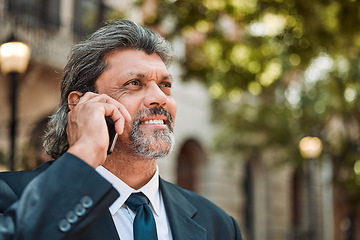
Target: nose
(155, 97)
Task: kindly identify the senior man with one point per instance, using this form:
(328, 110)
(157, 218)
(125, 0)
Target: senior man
(119, 72)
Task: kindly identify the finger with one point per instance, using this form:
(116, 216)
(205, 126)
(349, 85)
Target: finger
(125, 113)
(113, 112)
(105, 98)
(87, 96)
(120, 125)
(94, 97)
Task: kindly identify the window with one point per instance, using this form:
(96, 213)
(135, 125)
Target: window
(36, 13)
(190, 161)
(88, 16)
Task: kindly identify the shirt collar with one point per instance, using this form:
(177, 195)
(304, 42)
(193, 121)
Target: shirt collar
(150, 190)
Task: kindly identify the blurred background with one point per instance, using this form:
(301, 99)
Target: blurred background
(267, 92)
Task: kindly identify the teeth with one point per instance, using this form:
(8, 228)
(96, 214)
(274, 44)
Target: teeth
(154, 122)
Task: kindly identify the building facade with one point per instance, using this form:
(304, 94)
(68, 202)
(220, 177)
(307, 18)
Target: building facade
(268, 201)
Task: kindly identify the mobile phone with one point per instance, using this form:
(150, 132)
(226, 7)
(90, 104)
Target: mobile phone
(112, 134)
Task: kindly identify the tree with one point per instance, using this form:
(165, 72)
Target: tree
(277, 70)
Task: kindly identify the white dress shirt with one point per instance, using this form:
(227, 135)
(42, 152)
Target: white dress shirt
(123, 216)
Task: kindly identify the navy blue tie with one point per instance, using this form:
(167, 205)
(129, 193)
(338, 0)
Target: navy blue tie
(144, 222)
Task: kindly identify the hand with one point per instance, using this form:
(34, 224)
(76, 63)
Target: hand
(87, 131)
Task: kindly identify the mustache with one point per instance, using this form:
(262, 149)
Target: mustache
(143, 113)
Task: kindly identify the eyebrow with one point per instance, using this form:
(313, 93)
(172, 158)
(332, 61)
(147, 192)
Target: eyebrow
(142, 75)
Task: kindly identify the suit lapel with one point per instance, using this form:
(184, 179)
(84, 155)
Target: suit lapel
(180, 213)
(104, 229)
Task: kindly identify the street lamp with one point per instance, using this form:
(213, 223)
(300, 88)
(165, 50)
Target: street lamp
(14, 59)
(310, 148)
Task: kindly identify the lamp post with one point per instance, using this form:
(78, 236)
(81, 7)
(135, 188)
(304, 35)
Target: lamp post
(14, 59)
(310, 149)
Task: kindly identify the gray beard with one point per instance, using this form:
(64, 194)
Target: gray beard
(156, 145)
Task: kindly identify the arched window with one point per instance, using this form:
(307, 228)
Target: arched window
(297, 207)
(190, 160)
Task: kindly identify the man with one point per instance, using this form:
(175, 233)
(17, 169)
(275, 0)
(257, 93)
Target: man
(119, 72)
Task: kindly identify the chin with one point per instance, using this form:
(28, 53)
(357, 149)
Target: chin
(154, 147)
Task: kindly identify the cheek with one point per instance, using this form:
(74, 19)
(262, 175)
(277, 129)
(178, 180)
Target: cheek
(172, 108)
(132, 104)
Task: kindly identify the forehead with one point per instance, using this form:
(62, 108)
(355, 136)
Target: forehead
(129, 60)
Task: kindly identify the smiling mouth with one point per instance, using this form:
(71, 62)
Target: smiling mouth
(158, 118)
(154, 122)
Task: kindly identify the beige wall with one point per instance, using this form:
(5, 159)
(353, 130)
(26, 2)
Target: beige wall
(38, 95)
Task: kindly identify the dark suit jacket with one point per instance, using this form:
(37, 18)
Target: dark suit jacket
(68, 199)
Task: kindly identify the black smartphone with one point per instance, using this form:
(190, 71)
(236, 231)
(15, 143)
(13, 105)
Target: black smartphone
(112, 134)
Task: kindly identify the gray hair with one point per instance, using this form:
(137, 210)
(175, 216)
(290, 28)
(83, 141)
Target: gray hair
(86, 64)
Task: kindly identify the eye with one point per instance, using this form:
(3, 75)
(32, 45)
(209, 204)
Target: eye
(133, 85)
(134, 82)
(165, 84)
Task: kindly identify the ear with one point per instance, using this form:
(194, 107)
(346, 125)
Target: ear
(74, 98)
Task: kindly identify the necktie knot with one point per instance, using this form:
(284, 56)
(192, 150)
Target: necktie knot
(144, 226)
(136, 200)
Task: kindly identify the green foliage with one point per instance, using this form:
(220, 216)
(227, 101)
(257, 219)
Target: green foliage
(277, 70)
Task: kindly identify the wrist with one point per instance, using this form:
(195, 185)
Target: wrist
(94, 156)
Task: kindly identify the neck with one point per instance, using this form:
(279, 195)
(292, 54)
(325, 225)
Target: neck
(134, 170)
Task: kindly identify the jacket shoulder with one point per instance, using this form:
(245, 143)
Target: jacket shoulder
(215, 220)
(202, 204)
(18, 180)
